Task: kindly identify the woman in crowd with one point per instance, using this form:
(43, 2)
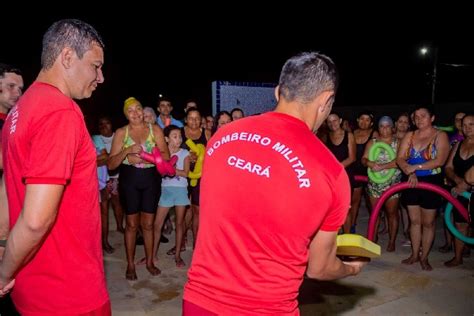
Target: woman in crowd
(460, 160)
(421, 156)
(342, 145)
(383, 164)
(362, 135)
(140, 183)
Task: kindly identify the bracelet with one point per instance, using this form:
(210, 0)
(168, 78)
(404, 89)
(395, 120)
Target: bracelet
(3, 243)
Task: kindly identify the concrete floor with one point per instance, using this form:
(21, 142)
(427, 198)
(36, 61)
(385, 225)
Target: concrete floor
(385, 287)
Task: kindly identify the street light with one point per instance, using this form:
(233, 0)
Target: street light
(424, 51)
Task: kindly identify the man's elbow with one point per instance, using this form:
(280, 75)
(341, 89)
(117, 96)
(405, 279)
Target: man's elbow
(39, 227)
(318, 274)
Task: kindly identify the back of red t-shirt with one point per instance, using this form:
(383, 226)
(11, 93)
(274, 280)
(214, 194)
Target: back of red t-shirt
(268, 185)
(46, 142)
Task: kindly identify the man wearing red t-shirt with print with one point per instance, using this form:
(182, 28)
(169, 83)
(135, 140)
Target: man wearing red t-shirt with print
(272, 200)
(54, 247)
(11, 87)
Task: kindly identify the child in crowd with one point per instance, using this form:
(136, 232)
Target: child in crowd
(174, 192)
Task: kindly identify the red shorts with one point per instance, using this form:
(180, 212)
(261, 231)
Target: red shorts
(191, 309)
(104, 310)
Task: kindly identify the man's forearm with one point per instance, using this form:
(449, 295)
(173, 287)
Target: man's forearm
(4, 216)
(22, 245)
(34, 223)
(332, 271)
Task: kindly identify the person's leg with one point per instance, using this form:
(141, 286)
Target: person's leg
(373, 202)
(131, 228)
(104, 217)
(414, 212)
(458, 246)
(114, 198)
(346, 227)
(354, 211)
(405, 221)
(118, 212)
(195, 209)
(448, 237)
(391, 206)
(428, 217)
(146, 223)
(157, 227)
(180, 211)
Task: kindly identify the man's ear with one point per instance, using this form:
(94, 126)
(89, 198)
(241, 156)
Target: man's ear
(67, 57)
(167, 139)
(277, 93)
(326, 99)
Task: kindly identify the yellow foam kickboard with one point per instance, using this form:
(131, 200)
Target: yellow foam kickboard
(356, 246)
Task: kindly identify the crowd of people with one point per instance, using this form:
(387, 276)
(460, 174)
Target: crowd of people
(422, 153)
(271, 192)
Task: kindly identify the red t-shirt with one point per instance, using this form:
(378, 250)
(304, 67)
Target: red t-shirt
(46, 142)
(268, 186)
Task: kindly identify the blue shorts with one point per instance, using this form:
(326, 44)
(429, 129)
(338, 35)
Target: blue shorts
(172, 196)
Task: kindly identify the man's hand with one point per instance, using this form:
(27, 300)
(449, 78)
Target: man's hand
(357, 263)
(7, 288)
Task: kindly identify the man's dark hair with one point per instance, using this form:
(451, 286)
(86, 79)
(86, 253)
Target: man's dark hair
(307, 75)
(164, 98)
(4, 68)
(76, 34)
(236, 110)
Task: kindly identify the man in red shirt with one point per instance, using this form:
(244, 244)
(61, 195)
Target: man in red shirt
(54, 248)
(272, 201)
(11, 87)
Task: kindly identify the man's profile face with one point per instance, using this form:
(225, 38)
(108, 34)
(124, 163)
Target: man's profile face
(11, 86)
(87, 73)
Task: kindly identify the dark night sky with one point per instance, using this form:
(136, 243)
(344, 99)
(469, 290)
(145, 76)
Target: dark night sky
(147, 56)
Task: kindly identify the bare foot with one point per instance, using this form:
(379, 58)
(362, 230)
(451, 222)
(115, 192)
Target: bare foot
(172, 251)
(453, 263)
(131, 274)
(142, 261)
(445, 248)
(425, 265)
(108, 248)
(153, 270)
(410, 260)
(391, 248)
(179, 262)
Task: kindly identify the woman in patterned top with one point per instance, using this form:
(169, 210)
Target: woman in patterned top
(421, 157)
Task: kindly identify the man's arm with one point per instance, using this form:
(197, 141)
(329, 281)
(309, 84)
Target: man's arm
(4, 216)
(323, 263)
(35, 221)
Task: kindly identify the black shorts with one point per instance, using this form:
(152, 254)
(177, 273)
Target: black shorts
(139, 189)
(194, 193)
(424, 198)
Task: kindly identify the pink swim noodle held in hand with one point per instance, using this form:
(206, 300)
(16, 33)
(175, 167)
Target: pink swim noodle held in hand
(164, 167)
